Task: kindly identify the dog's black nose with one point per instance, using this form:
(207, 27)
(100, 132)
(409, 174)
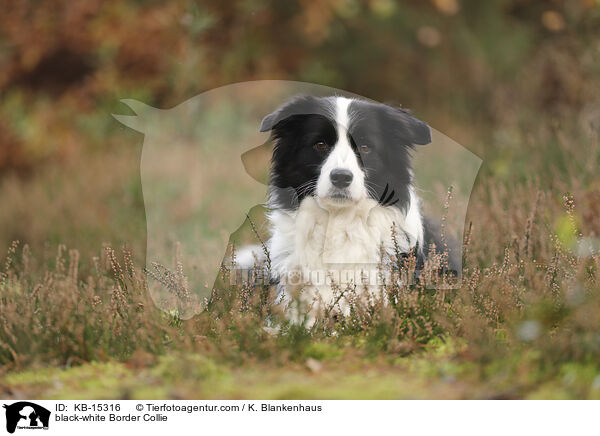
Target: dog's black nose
(340, 178)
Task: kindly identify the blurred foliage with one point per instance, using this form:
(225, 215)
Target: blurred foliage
(64, 65)
(512, 80)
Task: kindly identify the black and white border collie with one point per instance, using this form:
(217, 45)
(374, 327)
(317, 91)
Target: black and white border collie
(341, 180)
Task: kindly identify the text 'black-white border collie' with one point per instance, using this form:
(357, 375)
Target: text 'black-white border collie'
(341, 181)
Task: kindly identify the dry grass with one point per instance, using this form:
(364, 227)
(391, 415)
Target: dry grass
(534, 309)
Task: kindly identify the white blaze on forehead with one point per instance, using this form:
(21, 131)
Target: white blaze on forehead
(342, 116)
(342, 156)
(343, 153)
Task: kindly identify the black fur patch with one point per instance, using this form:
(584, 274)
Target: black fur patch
(388, 133)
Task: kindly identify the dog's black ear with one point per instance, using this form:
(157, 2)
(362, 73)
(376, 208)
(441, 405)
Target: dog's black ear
(413, 130)
(421, 132)
(301, 105)
(274, 118)
(269, 121)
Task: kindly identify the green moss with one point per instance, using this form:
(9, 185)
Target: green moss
(181, 367)
(322, 350)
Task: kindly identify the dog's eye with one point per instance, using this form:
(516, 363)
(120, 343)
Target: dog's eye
(320, 146)
(365, 148)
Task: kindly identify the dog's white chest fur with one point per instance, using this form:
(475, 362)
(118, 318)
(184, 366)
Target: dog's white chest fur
(316, 240)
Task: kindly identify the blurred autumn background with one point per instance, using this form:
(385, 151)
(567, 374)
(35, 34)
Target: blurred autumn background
(477, 71)
(515, 81)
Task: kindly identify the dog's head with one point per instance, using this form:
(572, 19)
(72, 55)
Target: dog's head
(341, 151)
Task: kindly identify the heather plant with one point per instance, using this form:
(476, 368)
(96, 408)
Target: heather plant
(54, 316)
(530, 317)
(546, 303)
